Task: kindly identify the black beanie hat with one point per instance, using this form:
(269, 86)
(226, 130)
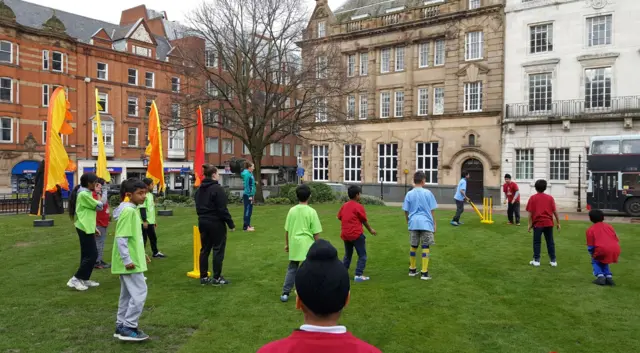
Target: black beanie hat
(322, 282)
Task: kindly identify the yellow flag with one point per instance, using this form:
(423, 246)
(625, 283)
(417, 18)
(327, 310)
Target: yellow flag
(155, 168)
(56, 159)
(101, 166)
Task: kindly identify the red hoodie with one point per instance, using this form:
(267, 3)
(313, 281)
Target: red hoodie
(102, 217)
(319, 342)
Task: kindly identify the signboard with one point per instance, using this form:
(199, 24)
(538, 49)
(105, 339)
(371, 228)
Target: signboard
(300, 172)
(177, 170)
(113, 170)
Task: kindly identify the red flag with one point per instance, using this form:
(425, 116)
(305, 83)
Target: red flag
(199, 160)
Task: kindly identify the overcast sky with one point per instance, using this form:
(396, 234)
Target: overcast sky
(110, 10)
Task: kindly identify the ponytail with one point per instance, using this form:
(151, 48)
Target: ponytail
(72, 202)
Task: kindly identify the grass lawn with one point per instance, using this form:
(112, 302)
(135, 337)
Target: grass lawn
(484, 297)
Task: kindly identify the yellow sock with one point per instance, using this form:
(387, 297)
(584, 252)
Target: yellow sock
(412, 258)
(425, 260)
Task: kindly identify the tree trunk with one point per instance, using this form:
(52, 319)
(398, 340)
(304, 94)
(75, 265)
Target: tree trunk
(257, 161)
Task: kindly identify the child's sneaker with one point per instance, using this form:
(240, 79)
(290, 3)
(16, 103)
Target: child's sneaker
(610, 281)
(89, 283)
(553, 263)
(460, 223)
(159, 255)
(425, 276)
(118, 331)
(132, 334)
(454, 223)
(534, 263)
(204, 281)
(413, 272)
(284, 297)
(105, 264)
(601, 281)
(219, 281)
(518, 224)
(77, 284)
(98, 266)
(361, 278)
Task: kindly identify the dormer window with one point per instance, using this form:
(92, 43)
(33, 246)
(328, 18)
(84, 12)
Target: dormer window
(142, 51)
(322, 29)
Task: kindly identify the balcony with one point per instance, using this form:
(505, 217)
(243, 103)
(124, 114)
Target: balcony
(615, 107)
(108, 150)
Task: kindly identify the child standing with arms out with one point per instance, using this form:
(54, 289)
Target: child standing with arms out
(352, 217)
(130, 262)
(82, 209)
(419, 206)
(604, 247)
(542, 209)
(302, 229)
(148, 214)
(512, 198)
(102, 221)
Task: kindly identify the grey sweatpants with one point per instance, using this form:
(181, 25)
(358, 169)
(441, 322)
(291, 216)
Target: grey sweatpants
(290, 278)
(100, 242)
(133, 294)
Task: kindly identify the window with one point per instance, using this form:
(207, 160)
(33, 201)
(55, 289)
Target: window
(423, 101)
(606, 147)
(427, 160)
(364, 107)
(298, 150)
(599, 30)
(142, 51)
(631, 146)
(473, 96)
(322, 29)
(276, 149)
(133, 137)
(364, 64)
(107, 134)
(351, 65)
(438, 100)
(524, 164)
(321, 67)
(133, 77)
(423, 55)
(541, 38)
(399, 104)
(351, 107)
(103, 102)
(473, 46)
(245, 150)
(6, 90)
(147, 107)
(57, 62)
(176, 140)
(6, 130)
(211, 88)
(212, 145)
(438, 56)
(321, 110)
(400, 59)
(227, 146)
(211, 117)
(175, 111)
(540, 92)
(175, 84)
(103, 71)
(385, 104)
(132, 106)
(149, 80)
(597, 91)
(474, 4)
(287, 150)
(287, 103)
(320, 162)
(385, 60)
(352, 163)
(45, 60)
(6, 52)
(472, 140)
(388, 162)
(45, 95)
(559, 164)
(211, 59)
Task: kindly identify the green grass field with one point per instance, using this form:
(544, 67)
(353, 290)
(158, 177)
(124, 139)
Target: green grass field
(484, 297)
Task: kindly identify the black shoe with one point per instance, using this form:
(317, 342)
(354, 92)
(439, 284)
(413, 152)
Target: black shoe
(159, 255)
(98, 266)
(601, 281)
(204, 281)
(610, 282)
(219, 281)
(413, 272)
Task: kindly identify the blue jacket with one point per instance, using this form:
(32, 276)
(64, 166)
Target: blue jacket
(249, 182)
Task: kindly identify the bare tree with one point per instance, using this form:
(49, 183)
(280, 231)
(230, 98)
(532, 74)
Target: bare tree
(249, 71)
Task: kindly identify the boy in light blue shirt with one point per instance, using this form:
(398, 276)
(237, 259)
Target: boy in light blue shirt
(460, 197)
(419, 206)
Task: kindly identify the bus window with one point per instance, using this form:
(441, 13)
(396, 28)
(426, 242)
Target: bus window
(631, 146)
(631, 181)
(605, 147)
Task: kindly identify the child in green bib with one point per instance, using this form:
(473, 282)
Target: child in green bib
(129, 261)
(82, 210)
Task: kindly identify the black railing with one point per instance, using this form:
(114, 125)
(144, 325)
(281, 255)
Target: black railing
(574, 108)
(15, 203)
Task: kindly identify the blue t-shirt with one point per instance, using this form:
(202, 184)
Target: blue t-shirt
(462, 185)
(419, 202)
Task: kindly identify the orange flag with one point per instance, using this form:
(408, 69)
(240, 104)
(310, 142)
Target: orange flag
(155, 168)
(199, 160)
(56, 159)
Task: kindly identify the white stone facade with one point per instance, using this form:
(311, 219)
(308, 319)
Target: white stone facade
(571, 72)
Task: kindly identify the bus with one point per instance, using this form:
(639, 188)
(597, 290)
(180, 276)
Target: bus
(613, 169)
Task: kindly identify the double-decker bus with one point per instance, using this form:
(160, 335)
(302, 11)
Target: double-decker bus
(613, 165)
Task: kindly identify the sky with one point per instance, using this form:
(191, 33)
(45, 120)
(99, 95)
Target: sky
(176, 10)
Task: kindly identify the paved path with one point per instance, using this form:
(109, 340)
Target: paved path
(564, 214)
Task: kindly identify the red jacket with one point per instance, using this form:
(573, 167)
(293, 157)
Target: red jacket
(604, 240)
(352, 215)
(102, 217)
(319, 342)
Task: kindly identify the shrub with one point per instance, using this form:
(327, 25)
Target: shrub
(232, 198)
(364, 199)
(320, 193)
(178, 198)
(285, 189)
(114, 201)
(278, 201)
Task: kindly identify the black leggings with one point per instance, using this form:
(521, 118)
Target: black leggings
(213, 236)
(88, 255)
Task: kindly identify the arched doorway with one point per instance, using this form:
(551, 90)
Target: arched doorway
(475, 184)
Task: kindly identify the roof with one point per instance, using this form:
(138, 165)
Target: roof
(80, 27)
(372, 8)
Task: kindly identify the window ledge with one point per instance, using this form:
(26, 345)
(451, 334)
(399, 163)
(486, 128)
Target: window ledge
(473, 60)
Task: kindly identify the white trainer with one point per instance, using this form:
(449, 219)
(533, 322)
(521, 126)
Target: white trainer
(90, 283)
(76, 284)
(553, 264)
(534, 263)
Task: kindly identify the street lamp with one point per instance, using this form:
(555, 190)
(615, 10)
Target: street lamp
(381, 184)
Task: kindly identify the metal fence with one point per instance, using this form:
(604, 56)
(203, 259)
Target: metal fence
(15, 203)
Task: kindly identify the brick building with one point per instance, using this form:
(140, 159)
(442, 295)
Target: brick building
(130, 64)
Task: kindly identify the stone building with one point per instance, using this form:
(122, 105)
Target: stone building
(571, 73)
(431, 99)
